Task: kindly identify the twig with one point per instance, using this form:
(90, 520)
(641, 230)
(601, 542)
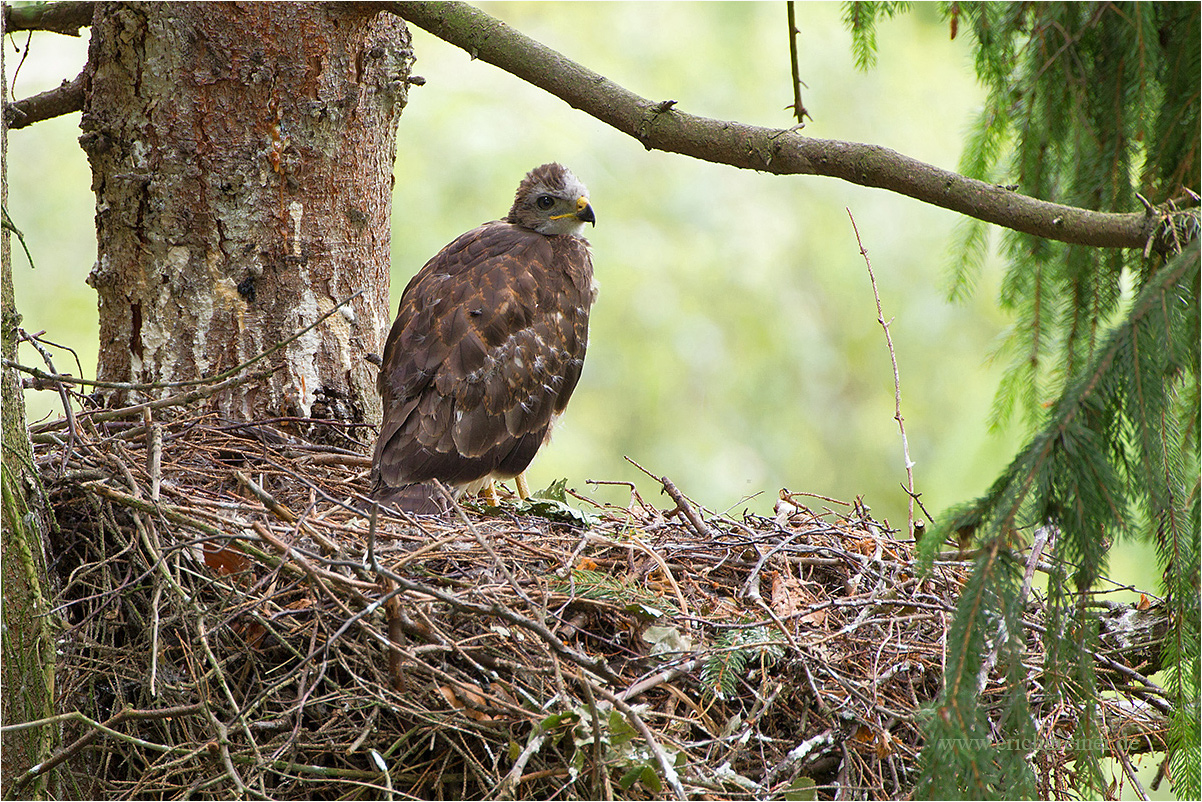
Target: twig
(1129, 770)
(667, 572)
(98, 729)
(497, 562)
(596, 665)
(9, 225)
(283, 513)
(1104, 661)
(319, 575)
(1045, 537)
(155, 602)
(69, 414)
(665, 765)
(394, 618)
(221, 377)
(634, 496)
(919, 525)
(392, 607)
(753, 577)
(798, 754)
(168, 511)
(655, 680)
(600, 771)
(181, 400)
(683, 506)
(378, 759)
(508, 786)
(897, 415)
(799, 109)
(154, 455)
(223, 735)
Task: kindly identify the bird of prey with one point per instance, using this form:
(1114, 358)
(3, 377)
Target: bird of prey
(487, 347)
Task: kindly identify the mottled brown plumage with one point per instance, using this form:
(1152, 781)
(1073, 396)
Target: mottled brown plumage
(487, 347)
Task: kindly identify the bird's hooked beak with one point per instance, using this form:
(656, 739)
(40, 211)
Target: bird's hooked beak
(584, 212)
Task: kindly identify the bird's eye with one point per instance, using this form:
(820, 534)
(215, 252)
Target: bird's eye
(545, 201)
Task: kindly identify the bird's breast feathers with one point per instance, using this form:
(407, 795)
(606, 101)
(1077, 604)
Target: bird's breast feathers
(487, 347)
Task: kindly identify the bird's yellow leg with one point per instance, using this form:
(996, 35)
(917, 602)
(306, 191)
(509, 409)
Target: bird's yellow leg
(490, 494)
(523, 488)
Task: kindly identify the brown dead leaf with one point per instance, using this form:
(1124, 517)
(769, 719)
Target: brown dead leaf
(815, 617)
(785, 592)
(225, 560)
(466, 699)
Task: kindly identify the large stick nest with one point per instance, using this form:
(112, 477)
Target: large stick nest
(235, 626)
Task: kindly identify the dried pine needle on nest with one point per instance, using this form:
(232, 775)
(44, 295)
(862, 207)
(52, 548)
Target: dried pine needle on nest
(236, 626)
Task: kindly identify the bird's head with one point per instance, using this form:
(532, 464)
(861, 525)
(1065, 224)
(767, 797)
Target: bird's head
(550, 200)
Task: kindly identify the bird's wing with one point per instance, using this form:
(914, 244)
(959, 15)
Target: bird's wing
(487, 347)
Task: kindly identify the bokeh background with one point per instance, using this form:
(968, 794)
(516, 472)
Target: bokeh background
(735, 346)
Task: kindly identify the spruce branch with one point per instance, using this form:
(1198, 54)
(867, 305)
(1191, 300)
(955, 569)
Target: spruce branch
(1081, 398)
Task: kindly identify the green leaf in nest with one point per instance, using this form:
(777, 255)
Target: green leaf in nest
(552, 503)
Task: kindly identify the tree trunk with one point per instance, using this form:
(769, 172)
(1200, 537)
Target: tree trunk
(27, 655)
(242, 162)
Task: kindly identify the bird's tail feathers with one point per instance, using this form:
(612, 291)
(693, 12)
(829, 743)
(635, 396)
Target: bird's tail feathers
(419, 499)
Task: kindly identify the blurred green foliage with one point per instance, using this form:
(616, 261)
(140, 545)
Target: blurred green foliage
(734, 346)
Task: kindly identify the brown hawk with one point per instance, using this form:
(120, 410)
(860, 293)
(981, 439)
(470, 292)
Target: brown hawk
(487, 347)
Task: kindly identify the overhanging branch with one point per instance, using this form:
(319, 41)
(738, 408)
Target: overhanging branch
(660, 126)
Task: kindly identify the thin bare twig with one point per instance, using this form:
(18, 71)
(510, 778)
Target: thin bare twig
(283, 513)
(666, 767)
(220, 377)
(897, 415)
(9, 225)
(68, 413)
(98, 729)
(799, 109)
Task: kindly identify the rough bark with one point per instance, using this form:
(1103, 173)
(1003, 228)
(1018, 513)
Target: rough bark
(27, 655)
(242, 162)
